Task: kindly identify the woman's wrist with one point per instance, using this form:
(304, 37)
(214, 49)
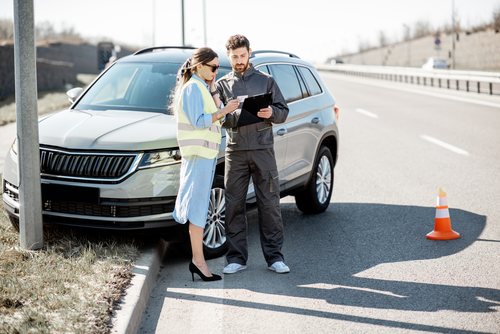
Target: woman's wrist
(215, 92)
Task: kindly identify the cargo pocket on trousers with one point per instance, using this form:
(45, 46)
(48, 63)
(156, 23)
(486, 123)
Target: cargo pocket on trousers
(274, 181)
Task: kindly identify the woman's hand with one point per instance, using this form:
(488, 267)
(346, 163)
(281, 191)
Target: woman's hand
(231, 106)
(211, 84)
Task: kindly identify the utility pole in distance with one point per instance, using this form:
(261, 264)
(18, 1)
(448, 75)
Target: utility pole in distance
(30, 211)
(453, 30)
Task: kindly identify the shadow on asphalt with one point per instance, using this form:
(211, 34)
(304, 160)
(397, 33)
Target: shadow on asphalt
(326, 251)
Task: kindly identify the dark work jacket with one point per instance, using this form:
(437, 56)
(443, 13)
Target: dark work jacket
(252, 82)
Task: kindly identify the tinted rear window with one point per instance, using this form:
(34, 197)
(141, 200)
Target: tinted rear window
(311, 81)
(287, 81)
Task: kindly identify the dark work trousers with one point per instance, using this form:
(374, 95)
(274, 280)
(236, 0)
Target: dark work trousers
(261, 165)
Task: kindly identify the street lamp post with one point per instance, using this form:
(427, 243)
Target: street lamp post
(182, 11)
(453, 30)
(154, 23)
(409, 43)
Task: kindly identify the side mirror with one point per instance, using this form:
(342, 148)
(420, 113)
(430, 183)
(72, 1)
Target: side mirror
(74, 93)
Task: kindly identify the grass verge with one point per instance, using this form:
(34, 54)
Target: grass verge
(48, 101)
(70, 286)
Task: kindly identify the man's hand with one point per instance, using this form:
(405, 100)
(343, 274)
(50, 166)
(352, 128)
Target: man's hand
(265, 112)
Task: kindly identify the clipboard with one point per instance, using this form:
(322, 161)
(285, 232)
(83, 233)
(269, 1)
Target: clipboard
(251, 106)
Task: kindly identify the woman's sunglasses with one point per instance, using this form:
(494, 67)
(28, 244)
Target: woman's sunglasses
(214, 67)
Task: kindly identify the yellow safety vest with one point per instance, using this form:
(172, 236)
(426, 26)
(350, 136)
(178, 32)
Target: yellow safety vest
(203, 142)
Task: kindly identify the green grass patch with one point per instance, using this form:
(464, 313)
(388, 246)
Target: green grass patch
(69, 286)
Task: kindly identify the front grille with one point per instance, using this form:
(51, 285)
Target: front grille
(113, 208)
(85, 165)
(11, 190)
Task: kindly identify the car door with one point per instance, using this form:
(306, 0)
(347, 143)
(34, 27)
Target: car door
(304, 122)
(280, 141)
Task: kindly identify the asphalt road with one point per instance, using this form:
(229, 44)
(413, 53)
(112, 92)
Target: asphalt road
(365, 264)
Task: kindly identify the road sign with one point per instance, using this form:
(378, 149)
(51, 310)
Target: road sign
(437, 41)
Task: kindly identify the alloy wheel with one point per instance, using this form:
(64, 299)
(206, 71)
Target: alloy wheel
(323, 179)
(214, 235)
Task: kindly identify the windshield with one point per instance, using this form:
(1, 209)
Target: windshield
(134, 86)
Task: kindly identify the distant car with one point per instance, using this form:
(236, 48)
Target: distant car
(435, 63)
(336, 61)
(111, 161)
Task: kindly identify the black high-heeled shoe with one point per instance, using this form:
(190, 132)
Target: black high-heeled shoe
(194, 270)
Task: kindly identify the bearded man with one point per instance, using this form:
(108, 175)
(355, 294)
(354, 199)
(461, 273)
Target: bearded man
(250, 152)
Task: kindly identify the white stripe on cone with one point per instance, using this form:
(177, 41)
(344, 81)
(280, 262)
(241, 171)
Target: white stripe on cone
(442, 213)
(442, 201)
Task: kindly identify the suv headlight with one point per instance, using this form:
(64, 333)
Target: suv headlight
(160, 158)
(14, 147)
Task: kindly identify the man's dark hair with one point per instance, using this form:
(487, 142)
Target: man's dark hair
(236, 42)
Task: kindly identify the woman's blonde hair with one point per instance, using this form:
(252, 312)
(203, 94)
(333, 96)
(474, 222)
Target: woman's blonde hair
(201, 56)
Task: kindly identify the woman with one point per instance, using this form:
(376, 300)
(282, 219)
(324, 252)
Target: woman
(196, 105)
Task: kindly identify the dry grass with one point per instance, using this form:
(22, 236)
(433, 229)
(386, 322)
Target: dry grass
(47, 101)
(70, 286)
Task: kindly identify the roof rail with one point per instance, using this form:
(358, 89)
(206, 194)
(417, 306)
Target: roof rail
(151, 49)
(291, 55)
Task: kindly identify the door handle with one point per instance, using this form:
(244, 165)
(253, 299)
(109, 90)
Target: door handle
(281, 132)
(315, 120)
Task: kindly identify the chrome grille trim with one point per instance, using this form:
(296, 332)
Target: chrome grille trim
(11, 191)
(87, 166)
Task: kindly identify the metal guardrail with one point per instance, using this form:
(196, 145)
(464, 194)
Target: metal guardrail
(410, 74)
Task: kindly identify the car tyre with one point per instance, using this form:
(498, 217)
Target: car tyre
(316, 197)
(14, 221)
(214, 236)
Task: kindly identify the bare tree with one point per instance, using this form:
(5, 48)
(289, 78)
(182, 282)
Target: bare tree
(6, 29)
(45, 30)
(496, 18)
(422, 28)
(363, 45)
(382, 38)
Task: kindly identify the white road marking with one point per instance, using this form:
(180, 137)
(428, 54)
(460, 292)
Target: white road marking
(445, 145)
(366, 113)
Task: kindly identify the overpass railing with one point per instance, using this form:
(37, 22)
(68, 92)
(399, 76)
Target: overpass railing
(441, 77)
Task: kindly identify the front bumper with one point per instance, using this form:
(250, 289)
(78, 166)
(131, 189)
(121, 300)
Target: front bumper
(145, 200)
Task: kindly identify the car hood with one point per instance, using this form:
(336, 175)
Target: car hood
(109, 130)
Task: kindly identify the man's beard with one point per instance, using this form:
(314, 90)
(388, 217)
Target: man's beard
(241, 68)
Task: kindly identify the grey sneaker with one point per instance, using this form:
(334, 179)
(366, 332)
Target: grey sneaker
(233, 268)
(279, 267)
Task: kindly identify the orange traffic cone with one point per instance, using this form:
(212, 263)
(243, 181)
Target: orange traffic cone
(442, 225)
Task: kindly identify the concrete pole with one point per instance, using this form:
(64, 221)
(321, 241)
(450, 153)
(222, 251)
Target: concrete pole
(205, 23)
(154, 23)
(30, 222)
(182, 17)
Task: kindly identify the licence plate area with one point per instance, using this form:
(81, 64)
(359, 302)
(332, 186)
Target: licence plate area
(61, 192)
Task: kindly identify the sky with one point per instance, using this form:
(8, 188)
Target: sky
(314, 29)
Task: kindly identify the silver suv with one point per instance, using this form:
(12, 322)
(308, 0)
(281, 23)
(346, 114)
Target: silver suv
(111, 161)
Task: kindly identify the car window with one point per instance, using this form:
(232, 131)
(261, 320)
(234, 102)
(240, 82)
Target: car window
(135, 86)
(302, 84)
(264, 69)
(311, 81)
(287, 81)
